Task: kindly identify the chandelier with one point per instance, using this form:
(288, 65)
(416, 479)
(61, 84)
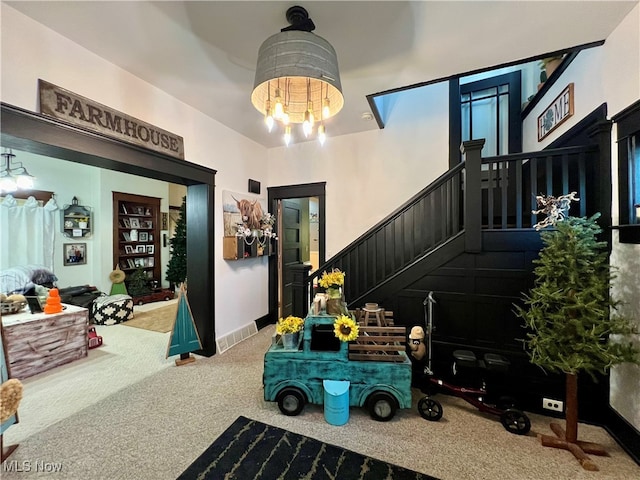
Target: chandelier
(297, 79)
(13, 175)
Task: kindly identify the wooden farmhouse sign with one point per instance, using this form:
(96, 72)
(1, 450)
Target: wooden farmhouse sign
(556, 113)
(80, 111)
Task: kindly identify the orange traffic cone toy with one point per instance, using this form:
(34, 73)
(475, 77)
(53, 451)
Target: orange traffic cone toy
(54, 305)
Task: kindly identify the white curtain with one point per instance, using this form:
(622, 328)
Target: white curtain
(27, 233)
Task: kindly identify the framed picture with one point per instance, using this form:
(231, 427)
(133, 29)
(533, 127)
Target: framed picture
(141, 249)
(150, 249)
(147, 211)
(128, 249)
(139, 210)
(74, 253)
(139, 262)
(150, 261)
(135, 223)
(143, 236)
(126, 223)
(146, 224)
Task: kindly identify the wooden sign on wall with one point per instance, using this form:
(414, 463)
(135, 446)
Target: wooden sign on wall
(556, 113)
(80, 111)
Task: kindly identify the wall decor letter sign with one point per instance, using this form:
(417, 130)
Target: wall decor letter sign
(556, 113)
(64, 105)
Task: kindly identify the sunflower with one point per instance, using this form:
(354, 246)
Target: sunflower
(345, 328)
(333, 279)
(289, 324)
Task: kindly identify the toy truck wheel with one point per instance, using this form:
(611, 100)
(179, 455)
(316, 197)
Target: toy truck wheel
(382, 406)
(290, 401)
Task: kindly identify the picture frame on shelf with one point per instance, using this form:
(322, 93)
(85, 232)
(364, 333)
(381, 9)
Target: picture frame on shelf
(131, 263)
(139, 262)
(126, 236)
(141, 249)
(126, 223)
(138, 210)
(150, 249)
(143, 236)
(146, 224)
(151, 261)
(147, 211)
(74, 254)
(128, 249)
(135, 223)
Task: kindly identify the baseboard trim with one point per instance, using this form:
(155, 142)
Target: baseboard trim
(264, 321)
(624, 433)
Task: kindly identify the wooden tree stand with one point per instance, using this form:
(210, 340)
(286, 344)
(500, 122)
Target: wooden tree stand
(569, 440)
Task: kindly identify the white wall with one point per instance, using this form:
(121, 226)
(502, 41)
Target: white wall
(31, 51)
(93, 188)
(609, 74)
(370, 174)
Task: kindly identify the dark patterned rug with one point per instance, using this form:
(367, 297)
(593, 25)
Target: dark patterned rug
(250, 450)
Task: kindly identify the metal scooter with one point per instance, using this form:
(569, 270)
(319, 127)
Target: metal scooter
(513, 420)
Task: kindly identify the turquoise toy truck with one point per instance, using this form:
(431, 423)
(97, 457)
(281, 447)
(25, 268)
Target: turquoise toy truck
(375, 365)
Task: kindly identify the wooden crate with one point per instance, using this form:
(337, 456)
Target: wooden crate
(379, 344)
(39, 342)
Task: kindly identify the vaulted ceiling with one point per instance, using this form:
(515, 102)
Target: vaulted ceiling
(204, 52)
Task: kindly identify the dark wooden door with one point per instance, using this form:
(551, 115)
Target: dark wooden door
(291, 251)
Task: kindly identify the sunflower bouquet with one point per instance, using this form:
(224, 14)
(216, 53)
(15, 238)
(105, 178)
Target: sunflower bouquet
(289, 324)
(332, 282)
(345, 328)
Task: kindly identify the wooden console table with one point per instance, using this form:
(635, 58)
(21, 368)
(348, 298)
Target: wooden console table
(39, 342)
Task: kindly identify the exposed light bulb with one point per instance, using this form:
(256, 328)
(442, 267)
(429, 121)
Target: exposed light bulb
(307, 125)
(268, 116)
(287, 135)
(326, 109)
(278, 108)
(310, 112)
(322, 135)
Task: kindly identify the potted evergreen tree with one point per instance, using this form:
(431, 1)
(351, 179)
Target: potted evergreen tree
(177, 266)
(571, 316)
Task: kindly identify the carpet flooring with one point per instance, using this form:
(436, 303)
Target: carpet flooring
(249, 449)
(158, 320)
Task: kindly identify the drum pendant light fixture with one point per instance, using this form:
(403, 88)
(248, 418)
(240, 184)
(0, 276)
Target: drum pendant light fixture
(297, 79)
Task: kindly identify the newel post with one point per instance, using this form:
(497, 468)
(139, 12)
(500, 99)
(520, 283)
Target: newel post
(472, 194)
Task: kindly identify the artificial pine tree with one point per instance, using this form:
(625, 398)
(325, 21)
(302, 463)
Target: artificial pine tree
(177, 266)
(570, 317)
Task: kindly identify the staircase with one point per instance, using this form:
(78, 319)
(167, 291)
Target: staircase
(467, 237)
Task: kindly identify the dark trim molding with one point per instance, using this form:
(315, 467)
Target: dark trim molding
(566, 61)
(624, 433)
(263, 321)
(376, 113)
(35, 133)
(294, 191)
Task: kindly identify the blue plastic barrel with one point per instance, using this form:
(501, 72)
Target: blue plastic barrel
(336, 401)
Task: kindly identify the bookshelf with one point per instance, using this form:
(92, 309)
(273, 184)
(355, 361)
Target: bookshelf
(136, 235)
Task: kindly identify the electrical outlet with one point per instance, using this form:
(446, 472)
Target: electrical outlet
(551, 404)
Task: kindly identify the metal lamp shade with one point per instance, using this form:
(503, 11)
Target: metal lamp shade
(287, 60)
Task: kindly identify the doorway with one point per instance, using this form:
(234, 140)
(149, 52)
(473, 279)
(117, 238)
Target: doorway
(32, 132)
(301, 233)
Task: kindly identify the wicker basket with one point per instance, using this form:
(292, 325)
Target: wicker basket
(14, 307)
